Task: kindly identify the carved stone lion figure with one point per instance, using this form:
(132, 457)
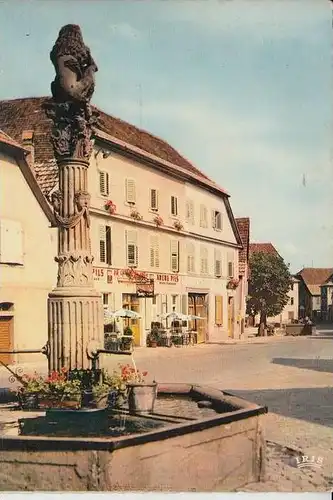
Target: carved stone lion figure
(74, 67)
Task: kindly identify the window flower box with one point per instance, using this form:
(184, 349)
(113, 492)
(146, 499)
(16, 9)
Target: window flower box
(158, 220)
(178, 225)
(110, 207)
(232, 284)
(136, 215)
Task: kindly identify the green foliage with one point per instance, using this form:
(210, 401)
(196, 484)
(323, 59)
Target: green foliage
(269, 284)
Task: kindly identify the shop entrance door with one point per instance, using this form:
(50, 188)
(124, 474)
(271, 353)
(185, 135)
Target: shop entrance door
(197, 305)
(6, 338)
(231, 317)
(131, 301)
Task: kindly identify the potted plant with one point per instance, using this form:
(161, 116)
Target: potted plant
(232, 284)
(158, 220)
(117, 388)
(141, 394)
(135, 214)
(152, 339)
(101, 393)
(178, 225)
(127, 339)
(110, 207)
(60, 391)
(28, 394)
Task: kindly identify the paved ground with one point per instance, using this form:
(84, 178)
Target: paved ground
(291, 375)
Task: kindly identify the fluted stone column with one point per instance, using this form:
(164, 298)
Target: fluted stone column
(75, 309)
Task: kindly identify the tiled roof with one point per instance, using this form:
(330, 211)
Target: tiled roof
(313, 277)
(18, 115)
(263, 247)
(6, 139)
(243, 225)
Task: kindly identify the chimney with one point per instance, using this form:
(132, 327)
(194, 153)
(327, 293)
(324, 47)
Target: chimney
(28, 144)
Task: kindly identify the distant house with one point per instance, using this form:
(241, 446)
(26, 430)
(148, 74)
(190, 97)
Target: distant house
(327, 300)
(310, 293)
(290, 311)
(243, 225)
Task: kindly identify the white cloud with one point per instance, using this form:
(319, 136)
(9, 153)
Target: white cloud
(125, 30)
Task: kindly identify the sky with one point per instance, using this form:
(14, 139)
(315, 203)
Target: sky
(243, 89)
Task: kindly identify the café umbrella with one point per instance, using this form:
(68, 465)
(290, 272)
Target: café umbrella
(126, 313)
(108, 316)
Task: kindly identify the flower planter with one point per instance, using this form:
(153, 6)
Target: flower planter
(102, 402)
(49, 403)
(28, 401)
(141, 397)
(153, 343)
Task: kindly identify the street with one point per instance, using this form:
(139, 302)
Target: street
(292, 376)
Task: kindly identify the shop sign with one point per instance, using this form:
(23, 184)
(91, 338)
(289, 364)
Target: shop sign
(145, 289)
(102, 274)
(170, 279)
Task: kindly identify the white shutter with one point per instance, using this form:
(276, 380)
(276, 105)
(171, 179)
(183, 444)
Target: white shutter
(174, 205)
(11, 242)
(154, 199)
(130, 191)
(230, 265)
(203, 260)
(213, 219)
(132, 248)
(190, 258)
(203, 216)
(154, 252)
(102, 243)
(174, 251)
(218, 220)
(104, 183)
(190, 211)
(217, 263)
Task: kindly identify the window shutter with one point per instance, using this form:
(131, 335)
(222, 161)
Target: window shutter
(132, 248)
(154, 252)
(174, 255)
(213, 219)
(218, 263)
(184, 304)
(204, 260)
(11, 242)
(190, 258)
(102, 243)
(108, 244)
(130, 191)
(218, 220)
(218, 310)
(174, 205)
(104, 183)
(230, 265)
(190, 211)
(154, 199)
(203, 216)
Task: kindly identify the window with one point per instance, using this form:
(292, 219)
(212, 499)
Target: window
(218, 263)
(203, 216)
(153, 199)
(231, 270)
(174, 250)
(174, 205)
(105, 244)
(104, 183)
(190, 212)
(105, 299)
(292, 287)
(216, 220)
(174, 300)
(11, 242)
(190, 258)
(291, 301)
(218, 309)
(154, 252)
(130, 191)
(203, 260)
(132, 256)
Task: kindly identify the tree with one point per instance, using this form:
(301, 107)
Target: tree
(268, 287)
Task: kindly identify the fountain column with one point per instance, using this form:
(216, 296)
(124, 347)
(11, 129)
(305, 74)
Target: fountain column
(75, 309)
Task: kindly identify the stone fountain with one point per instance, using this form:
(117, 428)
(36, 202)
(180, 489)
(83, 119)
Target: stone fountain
(196, 439)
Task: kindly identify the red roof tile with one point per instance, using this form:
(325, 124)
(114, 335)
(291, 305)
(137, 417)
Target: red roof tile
(315, 275)
(243, 225)
(263, 247)
(6, 139)
(18, 115)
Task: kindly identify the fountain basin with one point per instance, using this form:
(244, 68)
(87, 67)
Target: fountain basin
(197, 439)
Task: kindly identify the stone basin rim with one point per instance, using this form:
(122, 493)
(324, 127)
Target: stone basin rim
(244, 409)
